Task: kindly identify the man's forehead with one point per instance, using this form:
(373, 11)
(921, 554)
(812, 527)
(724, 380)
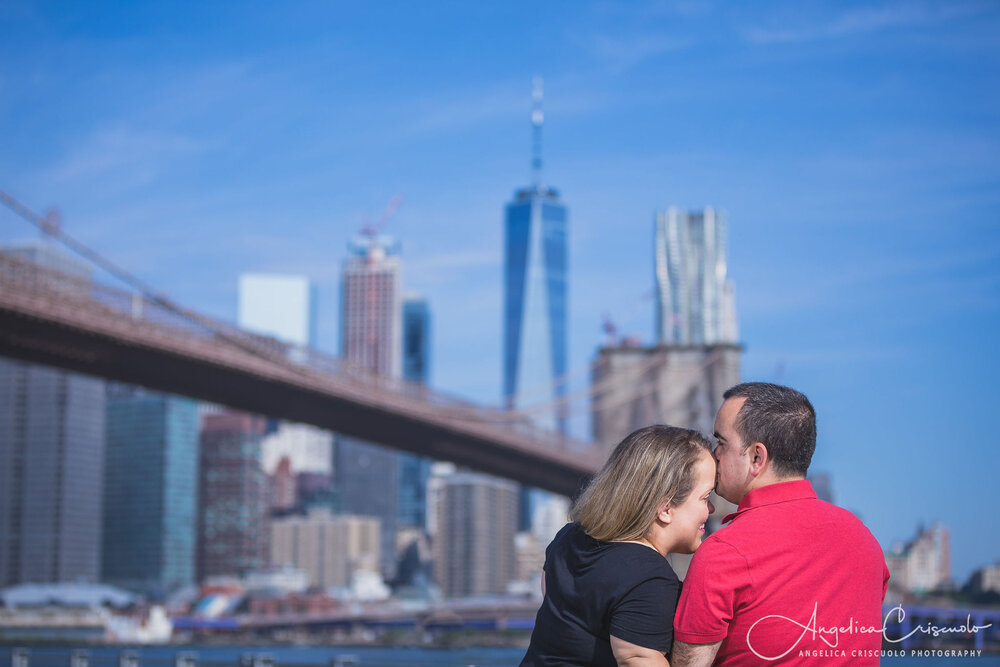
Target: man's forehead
(730, 408)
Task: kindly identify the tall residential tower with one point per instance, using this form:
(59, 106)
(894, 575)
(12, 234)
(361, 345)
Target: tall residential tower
(474, 545)
(367, 475)
(694, 304)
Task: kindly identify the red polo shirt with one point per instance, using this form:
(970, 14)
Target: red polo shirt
(789, 579)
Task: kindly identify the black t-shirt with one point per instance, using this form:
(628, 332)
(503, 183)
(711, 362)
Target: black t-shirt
(597, 589)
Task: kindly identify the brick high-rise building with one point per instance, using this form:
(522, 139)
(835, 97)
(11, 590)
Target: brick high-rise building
(474, 552)
(232, 519)
(283, 492)
(924, 563)
(329, 548)
(370, 302)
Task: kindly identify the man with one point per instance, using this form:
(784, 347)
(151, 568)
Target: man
(789, 579)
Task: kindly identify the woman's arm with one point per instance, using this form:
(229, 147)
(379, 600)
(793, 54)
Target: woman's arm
(628, 654)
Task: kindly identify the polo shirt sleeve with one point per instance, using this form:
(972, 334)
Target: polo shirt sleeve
(717, 575)
(885, 579)
(643, 616)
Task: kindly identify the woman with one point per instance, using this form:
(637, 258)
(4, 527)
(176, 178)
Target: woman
(609, 593)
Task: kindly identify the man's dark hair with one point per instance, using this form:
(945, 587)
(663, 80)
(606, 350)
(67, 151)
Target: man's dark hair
(781, 418)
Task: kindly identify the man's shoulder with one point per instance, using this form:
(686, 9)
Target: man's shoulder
(718, 546)
(844, 519)
(746, 528)
(802, 520)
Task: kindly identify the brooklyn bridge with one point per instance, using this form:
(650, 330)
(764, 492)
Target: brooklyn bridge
(72, 321)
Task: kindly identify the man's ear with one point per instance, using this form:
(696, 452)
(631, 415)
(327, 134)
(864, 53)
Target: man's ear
(759, 458)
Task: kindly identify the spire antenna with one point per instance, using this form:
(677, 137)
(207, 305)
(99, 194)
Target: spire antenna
(537, 119)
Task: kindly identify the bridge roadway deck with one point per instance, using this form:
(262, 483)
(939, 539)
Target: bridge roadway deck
(47, 318)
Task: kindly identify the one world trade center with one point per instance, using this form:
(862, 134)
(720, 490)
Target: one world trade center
(535, 295)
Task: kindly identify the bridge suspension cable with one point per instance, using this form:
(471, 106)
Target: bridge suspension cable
(52, 229)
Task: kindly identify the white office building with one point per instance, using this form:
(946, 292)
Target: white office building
(280, 306)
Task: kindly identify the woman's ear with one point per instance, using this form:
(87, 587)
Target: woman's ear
(665, 511)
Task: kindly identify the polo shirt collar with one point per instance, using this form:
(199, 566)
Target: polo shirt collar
(772, 494)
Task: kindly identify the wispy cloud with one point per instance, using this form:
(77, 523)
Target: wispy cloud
(463, 109)
(451, 268)
(459, 260)
(884, 281)
(622, 53)
(859, 21)
(486, 105)
(122, 155)
(828, 356)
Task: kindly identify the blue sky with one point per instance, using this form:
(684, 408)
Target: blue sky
(854, 145)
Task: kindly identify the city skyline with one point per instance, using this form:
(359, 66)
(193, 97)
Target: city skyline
(853, 147)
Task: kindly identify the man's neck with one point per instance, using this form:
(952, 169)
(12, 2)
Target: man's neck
(768, 478)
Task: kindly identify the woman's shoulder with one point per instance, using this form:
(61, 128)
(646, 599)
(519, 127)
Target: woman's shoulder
(643, 562)
(626, 560)
(630, 570)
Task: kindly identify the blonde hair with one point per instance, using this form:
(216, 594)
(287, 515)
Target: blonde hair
(649, 466)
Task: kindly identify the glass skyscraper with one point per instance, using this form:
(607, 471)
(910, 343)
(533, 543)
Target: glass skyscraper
(51, 472)
(695, 303)
(51, 460)
(150, 490)
(535, 296)
(416, 339)
(535, 304)
(414, 470)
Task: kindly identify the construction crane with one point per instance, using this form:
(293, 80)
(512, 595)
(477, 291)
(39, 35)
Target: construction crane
(610, 330)
(372, 230)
